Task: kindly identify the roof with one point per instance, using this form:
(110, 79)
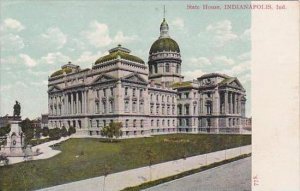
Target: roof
(164, 44)
(67, 70)
(119, 52)
(181, 84)
(213, 75)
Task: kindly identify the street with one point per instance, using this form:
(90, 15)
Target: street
(235, 176)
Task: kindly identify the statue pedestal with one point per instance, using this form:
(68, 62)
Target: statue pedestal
(15, 141)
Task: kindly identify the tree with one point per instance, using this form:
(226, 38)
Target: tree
(4, 159)
(55, 134)
(28, 129)
(38, 131)
(150, 155)
(4, 130)
(71, 130)
(45, 131)
(113, 130)
(64, 131)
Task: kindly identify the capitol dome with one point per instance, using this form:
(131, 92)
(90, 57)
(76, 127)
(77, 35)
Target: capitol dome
(164, 42)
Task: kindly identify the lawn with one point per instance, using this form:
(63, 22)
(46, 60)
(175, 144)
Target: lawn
(86, 158)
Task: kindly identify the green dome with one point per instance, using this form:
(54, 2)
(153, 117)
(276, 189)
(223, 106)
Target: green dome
(164, 44)
(119, 52)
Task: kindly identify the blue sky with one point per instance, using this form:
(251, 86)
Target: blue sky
(38, 37)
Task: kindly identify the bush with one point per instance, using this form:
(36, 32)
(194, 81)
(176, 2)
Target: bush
(54, 134)
(71, 130)
(64, 131)
(112, 130)
(4, 130)
(38, 131)
(45, 131)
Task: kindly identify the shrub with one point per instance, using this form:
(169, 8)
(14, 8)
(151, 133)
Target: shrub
(45, 131)
(64, 131)
(54, 134)
(71, 130)
(4, 130)
(38, 131)
(113, 130)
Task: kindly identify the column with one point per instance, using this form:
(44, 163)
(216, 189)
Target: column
(226, 102)
(77, 102)
(233, 103)
(71, 103)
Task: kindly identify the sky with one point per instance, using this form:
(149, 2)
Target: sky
(38, 37)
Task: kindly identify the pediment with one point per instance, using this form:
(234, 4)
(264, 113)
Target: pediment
(53, 89)
(135, 78)
(103, 78)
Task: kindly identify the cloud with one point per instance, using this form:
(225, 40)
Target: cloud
(54, 37)
(198, 62)
(246, 35)
(10, 24)
(245, 56)
(190, 75)
(178, 23)
(88, 58)
(55, 58)
(27, 60)
(121, 38)
(11, 42)
(223, 60)
(222, 32)
(97, 34)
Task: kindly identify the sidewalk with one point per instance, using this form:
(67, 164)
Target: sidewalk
(134, 177)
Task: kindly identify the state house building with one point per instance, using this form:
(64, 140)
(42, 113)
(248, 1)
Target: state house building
(148, 99)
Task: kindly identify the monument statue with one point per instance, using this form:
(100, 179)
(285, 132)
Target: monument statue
(17, 109)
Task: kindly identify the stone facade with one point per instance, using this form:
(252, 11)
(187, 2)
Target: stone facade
(148, 100)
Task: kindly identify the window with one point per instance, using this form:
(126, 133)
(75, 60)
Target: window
(168, 123)
(179, 96)
(194, 110)
(141, 92)
(133, 92)
(104, 107)
(97, 107)
(126, 91)
(134, 106)
(155, 68)
(180, 109)
(142, 123)
(104, 123)
(186, 95)
(187, 108)
(157, 123)
(163, 122)
(151, 109)
(126, 123)
(152, 121)
(167, 67)
(126, 106)
(187, 122)
(163, 110)
(98, 94)
(104, 92)
(141, 109)
(156, 97)
(150, 69)
(111, 106)
(168, 110)
(177, 68)
(97, 121)
(111, 91)
(194, 94)
(151, 97)
(134, 123)
(173, 122)
(173, 110)
(157, 109)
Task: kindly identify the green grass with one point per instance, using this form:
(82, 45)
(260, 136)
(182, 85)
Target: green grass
(183, 174)
(94, 154)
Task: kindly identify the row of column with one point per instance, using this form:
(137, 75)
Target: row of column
(75, 102)
(232, 102)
